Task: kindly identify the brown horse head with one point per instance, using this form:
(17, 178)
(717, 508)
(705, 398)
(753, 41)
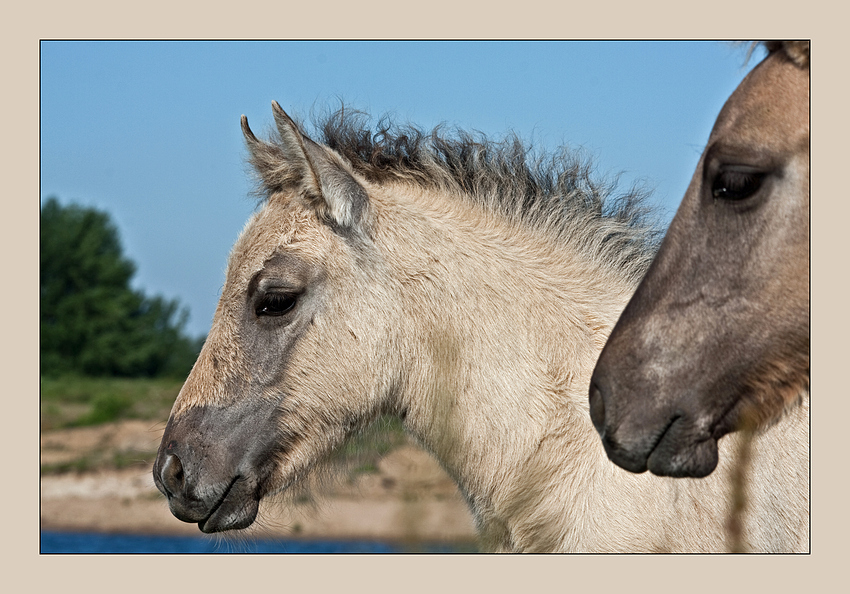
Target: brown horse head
(717, 335)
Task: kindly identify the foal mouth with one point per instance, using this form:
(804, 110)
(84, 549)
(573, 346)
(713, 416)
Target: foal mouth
(236, 508)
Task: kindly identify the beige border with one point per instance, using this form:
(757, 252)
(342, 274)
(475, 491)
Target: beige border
(436, 19)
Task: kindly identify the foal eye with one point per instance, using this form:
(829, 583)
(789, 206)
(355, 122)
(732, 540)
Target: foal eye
(276, 304)
(732, 184)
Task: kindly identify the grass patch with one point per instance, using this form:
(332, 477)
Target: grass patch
(378, 439)
(79, 401)
(367, 468)
(82, 464)
(101, 460)
(360, 453)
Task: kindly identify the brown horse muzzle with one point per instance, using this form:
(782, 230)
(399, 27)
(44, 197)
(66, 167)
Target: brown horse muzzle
(644, 434)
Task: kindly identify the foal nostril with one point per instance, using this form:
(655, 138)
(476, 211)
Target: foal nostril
(172, 475)
(597, 407)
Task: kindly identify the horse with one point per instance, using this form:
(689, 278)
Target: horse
(464, 286)
(716, 337)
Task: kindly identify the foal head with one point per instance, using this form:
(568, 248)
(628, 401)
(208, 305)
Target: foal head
(267, 398)
(382, 275)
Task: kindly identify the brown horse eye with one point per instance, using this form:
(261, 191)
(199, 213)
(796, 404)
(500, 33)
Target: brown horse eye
(736, 185)
(276, 304)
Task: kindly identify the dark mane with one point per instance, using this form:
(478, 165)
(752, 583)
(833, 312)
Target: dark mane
(554, 192)
(796, 51)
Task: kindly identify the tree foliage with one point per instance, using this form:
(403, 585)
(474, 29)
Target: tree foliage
(92, 321)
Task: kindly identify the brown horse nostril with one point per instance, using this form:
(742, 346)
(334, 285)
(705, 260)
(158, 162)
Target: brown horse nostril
(172, 475)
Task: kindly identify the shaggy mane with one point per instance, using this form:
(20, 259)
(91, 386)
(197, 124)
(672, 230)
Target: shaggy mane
(555, 193)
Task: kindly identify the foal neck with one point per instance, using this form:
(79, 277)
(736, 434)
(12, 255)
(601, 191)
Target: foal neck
(501, 329)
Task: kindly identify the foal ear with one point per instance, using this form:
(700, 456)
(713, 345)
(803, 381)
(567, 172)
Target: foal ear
(296, 163)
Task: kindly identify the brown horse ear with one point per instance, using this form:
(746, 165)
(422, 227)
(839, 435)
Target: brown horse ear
(296, 163)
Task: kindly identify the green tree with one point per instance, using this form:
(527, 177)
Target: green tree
(92, 321)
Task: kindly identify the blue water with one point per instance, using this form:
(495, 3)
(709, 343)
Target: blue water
(91, 542)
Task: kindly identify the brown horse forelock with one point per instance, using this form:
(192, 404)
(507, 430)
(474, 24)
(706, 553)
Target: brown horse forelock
(796, 51)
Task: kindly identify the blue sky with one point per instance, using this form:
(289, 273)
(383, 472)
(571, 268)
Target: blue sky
(149, 131)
